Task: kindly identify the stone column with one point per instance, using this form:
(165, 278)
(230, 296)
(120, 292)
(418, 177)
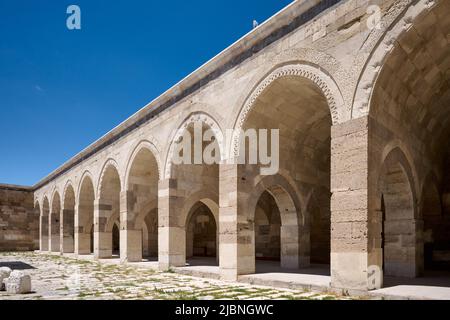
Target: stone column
(130, 238)
(53, 232)
(102, 238)
(82, 234)
(43, 227)
(171, 237)
(67, 230)
(289, 247)
(236, 233)
(349, 205)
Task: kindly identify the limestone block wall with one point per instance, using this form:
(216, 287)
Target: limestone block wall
(338, 91)
(19, 222)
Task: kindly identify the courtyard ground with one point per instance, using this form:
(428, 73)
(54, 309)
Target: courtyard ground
(56, 277)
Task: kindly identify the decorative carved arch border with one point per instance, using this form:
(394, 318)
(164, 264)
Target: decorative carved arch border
(313, 73)
(395, 26)
(196, 117)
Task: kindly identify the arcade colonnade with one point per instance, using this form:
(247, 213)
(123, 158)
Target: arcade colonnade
(362, 188)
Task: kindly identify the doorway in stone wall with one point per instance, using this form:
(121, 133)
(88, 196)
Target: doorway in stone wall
(201, 236)
(267, 229)
(116, 239)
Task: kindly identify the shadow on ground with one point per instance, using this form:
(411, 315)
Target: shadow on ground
(16, 265)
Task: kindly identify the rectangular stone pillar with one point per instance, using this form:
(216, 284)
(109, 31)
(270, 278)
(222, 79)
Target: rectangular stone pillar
(171, 237)
(349, 205)
(236, 247)
(43, 231)
(53, 232)
(130, 238)
(294, 248)
(102, 238)
(67, 231)
(82, 237)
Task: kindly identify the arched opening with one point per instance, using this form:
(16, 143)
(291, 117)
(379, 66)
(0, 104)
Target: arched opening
(400, 248)
(297, 107)
(195, 171)
(54, 221)
(409, 108)
(145, 241)
(278, 233)
(68, 221)
(116, 238)
(107, 213)
(84, 222)
(37, 233)
(267, 229)
(43, 225)
(150, 235)
(142, 212)
(201, 234)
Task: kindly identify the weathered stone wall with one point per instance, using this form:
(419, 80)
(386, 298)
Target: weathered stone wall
(358, 107)
(19, 222)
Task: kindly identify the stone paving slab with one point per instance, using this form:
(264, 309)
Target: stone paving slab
(289, 280)
(62, 278)
(412, 292)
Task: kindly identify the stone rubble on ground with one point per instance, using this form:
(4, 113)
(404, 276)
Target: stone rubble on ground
(18, 283)
(4, 274)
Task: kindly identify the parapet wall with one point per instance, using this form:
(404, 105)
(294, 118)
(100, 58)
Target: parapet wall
(19, 223)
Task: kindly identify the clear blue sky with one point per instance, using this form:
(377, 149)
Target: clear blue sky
(61, 90)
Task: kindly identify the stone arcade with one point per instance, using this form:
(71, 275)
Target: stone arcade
(364, 179)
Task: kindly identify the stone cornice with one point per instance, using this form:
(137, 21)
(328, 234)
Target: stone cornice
(12, 187)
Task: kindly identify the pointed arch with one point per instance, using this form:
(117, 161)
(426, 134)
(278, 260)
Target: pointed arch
(85, 178)
(54, 222)
(293, 231)
(402, 249)
(141, 146)
(107, 209)
(84, 215)
(195, 117)
(68, 188)
(397, 22)
(107, 166)
(308, 71)
(68, 219)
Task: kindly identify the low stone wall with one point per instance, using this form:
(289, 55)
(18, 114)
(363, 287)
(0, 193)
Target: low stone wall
(19, 222)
